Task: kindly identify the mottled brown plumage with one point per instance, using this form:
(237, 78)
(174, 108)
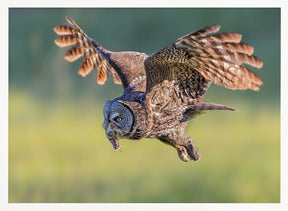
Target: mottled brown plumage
(164, 90)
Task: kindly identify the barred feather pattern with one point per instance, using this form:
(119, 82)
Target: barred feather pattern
(163, 91)
(83, 46)
(221, 58)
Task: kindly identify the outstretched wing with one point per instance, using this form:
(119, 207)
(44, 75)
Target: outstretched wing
(201, 57)
(94, 55)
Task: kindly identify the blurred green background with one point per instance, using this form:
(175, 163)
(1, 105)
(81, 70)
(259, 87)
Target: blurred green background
(58, 151)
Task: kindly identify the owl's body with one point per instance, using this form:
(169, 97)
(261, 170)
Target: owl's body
(163, 91)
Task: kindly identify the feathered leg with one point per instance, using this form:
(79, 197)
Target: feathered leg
(185, 147)
(191, 148)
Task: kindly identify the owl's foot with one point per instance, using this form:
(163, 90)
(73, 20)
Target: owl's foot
(182, 153)
(192, 151)
(185, 147)
(188, 152)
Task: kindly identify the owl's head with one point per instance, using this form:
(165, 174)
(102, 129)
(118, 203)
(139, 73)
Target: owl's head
(118, 121)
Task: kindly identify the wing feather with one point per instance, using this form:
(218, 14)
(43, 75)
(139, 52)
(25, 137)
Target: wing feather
(235, 47)
(84, 46)
(116, 78)
(66, 40)
(65, 29)
(202, 32)
(220, 38)
(219, 58)
(74, 53)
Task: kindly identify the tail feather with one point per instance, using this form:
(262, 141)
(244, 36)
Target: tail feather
(210, 106)
(194, 110)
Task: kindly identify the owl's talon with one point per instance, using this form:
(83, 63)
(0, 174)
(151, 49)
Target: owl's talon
(192, 151)
(182, 153)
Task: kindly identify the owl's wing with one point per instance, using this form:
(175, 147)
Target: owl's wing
(84, 46)
(201, 57)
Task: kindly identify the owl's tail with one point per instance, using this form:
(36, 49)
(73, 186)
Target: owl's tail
(193, 110)
(210, 106)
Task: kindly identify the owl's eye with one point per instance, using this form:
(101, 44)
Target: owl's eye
(117, 118)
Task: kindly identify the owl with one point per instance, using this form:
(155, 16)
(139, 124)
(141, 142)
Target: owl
(164, 90)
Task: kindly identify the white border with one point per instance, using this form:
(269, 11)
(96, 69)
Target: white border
(149, 3)
(4, 108)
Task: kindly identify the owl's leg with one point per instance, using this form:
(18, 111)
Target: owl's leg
(186, 149)
(182, 152)
(191, 148)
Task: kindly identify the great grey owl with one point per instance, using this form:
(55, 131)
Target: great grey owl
(164, 90)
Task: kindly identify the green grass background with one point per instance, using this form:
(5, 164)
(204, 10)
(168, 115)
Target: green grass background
(58, 151)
